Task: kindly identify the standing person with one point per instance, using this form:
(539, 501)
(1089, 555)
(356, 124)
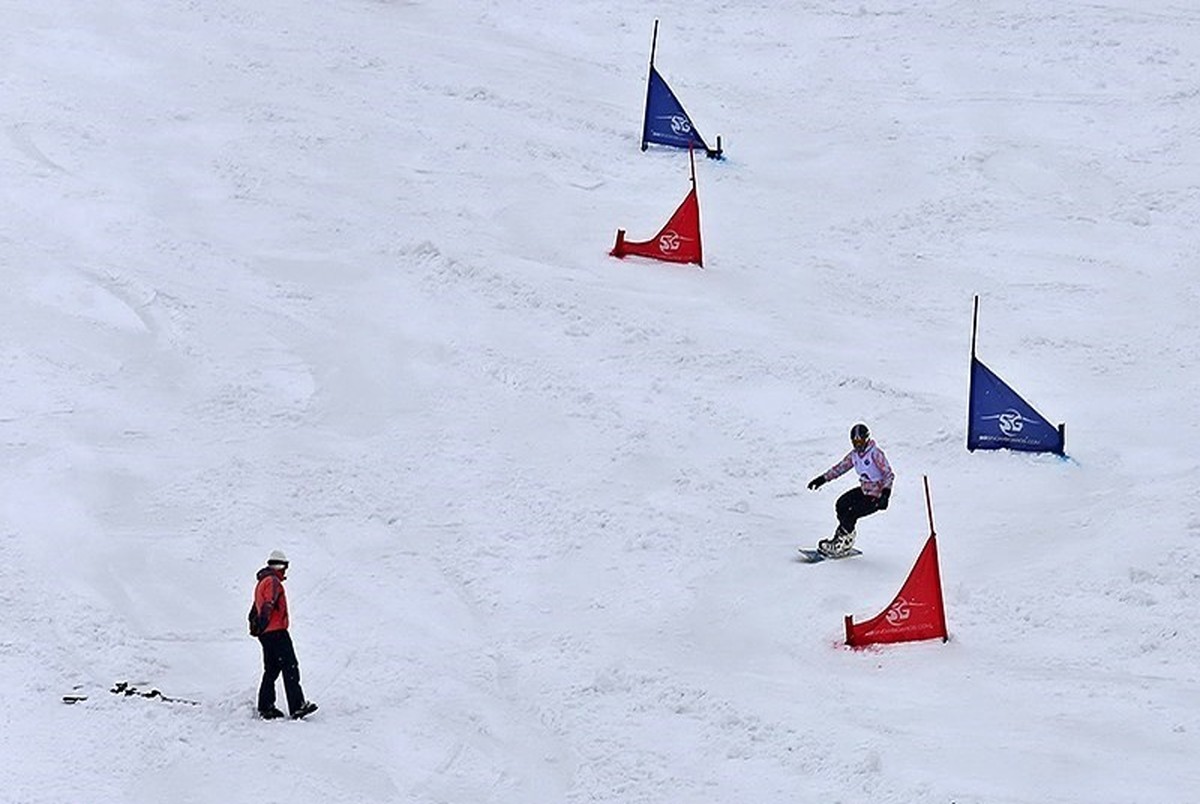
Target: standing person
(873, 493)
(269, 622)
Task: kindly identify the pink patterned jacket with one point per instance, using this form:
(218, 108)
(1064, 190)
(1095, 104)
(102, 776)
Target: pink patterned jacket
(874, 472)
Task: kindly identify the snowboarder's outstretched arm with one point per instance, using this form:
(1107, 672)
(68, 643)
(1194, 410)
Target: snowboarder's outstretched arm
(837, 470)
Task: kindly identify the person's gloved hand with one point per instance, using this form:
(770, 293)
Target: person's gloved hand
(884, 496)
(816, 482)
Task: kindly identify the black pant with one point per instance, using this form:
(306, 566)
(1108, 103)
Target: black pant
(853, 506)
(279, 657)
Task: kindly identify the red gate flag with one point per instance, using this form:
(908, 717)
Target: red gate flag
(917, 612)
(678, 241)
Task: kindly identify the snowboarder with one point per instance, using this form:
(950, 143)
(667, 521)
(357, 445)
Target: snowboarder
(875, 489)
(270, 606)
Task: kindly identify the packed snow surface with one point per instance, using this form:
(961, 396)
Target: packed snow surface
(333, 277)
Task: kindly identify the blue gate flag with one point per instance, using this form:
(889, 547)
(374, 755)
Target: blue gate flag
(999, 418)
(666, 122)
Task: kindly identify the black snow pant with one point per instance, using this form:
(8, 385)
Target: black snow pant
(853, 506)
(279, 657)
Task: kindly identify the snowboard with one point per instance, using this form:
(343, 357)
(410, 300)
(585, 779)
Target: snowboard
(816, 557)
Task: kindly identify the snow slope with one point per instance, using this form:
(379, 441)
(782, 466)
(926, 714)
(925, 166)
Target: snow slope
(333, 278)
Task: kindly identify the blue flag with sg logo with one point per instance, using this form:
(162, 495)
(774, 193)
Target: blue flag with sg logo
(666, 122)
(999, 418)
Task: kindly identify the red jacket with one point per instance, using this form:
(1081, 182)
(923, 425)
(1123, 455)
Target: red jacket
(271, 601)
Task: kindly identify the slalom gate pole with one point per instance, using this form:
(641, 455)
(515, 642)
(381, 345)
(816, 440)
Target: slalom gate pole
(974, 325)
(929, 505)
(649, 75)
(937, 564)
(971, 375)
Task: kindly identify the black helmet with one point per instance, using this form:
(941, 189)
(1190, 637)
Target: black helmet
(859, 435)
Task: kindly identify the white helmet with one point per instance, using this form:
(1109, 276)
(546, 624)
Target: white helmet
(277, 558)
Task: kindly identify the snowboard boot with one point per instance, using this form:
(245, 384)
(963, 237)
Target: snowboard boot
(839, 545)
(270, 714)
(845, 542)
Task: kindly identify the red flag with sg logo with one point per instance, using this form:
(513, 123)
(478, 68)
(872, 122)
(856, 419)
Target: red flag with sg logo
(678, 241)
(918, 612)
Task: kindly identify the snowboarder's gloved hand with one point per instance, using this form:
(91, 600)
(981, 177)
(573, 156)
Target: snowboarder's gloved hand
(884, 496)
(816, 482)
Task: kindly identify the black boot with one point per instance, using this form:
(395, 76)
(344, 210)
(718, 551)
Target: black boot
(307, 709)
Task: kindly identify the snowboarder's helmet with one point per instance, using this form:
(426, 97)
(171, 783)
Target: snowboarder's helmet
(859, 436)
(277, 559)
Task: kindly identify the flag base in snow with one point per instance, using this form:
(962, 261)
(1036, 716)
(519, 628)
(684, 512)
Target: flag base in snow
(918, 611)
